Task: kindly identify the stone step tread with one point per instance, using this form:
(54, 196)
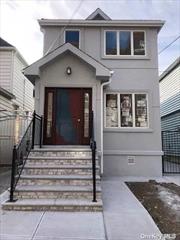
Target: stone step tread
(53, 202)
(36, 166)
(59, 158)
(50, 177)
(44, 188)
(88, 149)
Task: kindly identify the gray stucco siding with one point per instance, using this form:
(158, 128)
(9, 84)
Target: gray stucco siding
(92, 42)
(144, 166)
(135, 139)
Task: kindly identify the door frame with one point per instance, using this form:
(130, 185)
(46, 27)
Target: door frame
(52, 140)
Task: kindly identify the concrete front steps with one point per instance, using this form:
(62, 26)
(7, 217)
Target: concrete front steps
(58, 170)
(73, 180)
(57, 179)
(56, 192)
(68, 205)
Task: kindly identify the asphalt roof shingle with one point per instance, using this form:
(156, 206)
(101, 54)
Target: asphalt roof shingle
(3, 43)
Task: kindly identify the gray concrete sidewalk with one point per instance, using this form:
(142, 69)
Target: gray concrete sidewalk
(51, 226)
(17, 225)
(125, 218)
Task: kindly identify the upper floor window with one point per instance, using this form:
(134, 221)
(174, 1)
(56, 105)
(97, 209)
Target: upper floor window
(122, 43)
(111, 43)
(72, 36)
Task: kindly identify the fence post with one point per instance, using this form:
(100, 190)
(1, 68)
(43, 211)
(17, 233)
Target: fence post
(33, 129)
(13, 172)
(162, 142)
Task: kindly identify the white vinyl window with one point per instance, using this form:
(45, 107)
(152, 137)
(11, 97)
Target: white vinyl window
(126, 110)
(124, 43)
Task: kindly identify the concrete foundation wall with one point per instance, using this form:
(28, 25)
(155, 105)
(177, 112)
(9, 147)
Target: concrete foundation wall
(145, 166)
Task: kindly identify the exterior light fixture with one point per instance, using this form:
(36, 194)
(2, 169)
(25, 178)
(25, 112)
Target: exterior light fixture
(68, 70)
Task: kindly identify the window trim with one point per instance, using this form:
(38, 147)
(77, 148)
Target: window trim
(72, 30)
(133, 111)
(118, 44)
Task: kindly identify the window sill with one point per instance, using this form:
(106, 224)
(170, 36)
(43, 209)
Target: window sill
(126, 57)
(128, 130)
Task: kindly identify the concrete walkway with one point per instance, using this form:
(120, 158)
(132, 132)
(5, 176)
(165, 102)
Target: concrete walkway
(50, 225)
(124, 216)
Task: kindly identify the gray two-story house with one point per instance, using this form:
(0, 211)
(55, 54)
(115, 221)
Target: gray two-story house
(110, 67)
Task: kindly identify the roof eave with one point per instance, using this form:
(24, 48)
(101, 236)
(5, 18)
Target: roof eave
(6, 94)
(33, 71)
(102, 23)
(169, 69)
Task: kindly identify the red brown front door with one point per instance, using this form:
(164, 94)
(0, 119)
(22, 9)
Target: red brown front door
(67, 114)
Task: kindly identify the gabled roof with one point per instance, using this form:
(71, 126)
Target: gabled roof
(33, 71)
(169, 69)
(3, 43)
(98, 14)
(5, 46)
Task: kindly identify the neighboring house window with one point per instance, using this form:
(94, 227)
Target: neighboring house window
(126, 110)
(72, 36)
(122, 43)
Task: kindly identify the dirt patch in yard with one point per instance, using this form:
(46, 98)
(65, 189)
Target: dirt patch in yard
(162, 201)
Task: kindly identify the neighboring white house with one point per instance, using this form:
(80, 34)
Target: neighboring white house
(11, 78)
(7, 126)
(170, 97)
(16, 99)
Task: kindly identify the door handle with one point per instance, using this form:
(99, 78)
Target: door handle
(79, 120)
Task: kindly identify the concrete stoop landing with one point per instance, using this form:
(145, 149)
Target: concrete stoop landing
(57, 179)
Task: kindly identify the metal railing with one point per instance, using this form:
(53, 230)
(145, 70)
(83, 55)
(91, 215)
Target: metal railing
(31, 137)
(93, 149)
(171, 149)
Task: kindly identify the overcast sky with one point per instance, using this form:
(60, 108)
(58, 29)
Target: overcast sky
(18, 21)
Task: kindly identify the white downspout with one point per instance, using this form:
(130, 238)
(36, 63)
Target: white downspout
(102, 118)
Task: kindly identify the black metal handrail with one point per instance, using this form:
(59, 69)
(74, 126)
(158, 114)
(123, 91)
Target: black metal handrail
(31, 137)
(93, 149)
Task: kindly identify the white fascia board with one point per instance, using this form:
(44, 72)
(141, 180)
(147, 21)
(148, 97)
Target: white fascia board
(34, 69)
(102, 23)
